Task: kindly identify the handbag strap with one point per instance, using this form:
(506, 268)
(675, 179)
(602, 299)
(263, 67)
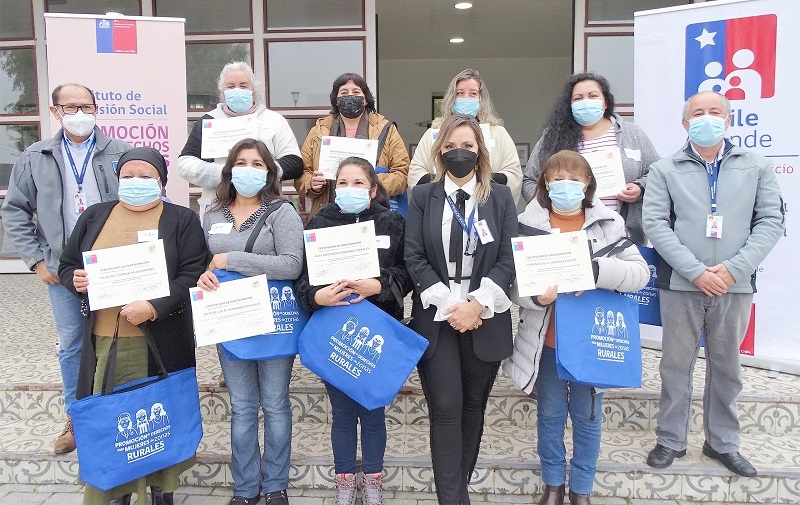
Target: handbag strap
(111, 362)
(382, 137)
(613, 248)
(248, 248)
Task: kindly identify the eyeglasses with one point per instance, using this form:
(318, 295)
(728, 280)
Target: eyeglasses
(89, 108)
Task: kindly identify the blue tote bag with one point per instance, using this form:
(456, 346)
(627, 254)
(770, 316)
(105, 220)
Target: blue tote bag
(597, 339)
(138, 428)
(647, 297)
(290, 318)
(361, 350)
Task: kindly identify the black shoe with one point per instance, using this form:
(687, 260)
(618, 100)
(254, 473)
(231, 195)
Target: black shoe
(662, 457)
(277, 498)
(122, 500)
(241, 500)
(733, 461)
(552, 495)
(159, 497)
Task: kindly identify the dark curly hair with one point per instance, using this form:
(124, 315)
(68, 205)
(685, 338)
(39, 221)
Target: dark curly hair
(359, 81)
(561, 130)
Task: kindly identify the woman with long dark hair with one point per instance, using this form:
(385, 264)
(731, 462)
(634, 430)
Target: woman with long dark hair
(360, 196)
(583, 120)
(250, 188)
(353, 115)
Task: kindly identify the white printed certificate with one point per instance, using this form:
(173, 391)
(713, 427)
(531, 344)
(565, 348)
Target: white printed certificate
(236, 309)
(219, 135)
(607, 169)
(342, 252)
(120, 275)
(334, 149)
(546, 260)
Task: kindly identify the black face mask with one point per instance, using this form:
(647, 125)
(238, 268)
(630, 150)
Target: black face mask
(350, 106)
(460, 162)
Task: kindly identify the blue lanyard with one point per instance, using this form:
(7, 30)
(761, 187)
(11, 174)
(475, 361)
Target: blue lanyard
(467, 227)
(79, 177)
(712, 171)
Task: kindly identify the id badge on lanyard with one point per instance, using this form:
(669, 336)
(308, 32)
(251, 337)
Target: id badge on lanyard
(714, 221)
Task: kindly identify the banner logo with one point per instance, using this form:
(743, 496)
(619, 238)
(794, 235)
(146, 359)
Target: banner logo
(116, 36)
(610, 335)
(354, 350)
(734, 57)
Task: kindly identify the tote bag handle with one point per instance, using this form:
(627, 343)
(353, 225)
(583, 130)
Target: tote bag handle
(111, 363)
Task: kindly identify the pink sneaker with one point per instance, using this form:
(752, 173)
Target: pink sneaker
(372, 489)
(345, 489)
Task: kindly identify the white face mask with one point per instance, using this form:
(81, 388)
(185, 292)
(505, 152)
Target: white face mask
(78, 124)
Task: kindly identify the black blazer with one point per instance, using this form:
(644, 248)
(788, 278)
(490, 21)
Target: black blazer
(187, 257)
(427, 264)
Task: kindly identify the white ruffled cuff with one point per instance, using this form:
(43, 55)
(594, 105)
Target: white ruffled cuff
(440, 296)
(491, 297)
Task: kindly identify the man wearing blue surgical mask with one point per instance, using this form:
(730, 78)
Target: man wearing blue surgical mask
(51, 184)
(713, 211)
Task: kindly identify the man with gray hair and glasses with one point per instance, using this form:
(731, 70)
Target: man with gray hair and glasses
(51, 184)
(713, 211)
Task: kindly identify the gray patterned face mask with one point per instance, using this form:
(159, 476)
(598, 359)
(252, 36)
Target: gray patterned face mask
(350, 106)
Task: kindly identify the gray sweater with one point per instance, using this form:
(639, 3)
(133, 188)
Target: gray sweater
(638, 154)
(280, 259)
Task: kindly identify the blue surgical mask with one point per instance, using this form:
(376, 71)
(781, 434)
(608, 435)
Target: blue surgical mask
(239, 99)
(566, 196)
(587, 112)
(706, 131)
(137, 192)
(352, 200)
(467, 106)
(248, 181)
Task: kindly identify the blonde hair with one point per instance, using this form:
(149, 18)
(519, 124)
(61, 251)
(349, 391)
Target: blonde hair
(486, 112)
(483, 171)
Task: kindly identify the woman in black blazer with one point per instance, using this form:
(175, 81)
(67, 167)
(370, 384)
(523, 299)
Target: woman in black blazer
(458, 253)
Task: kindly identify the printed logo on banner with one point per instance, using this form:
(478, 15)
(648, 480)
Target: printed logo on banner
(144, 438)
(116, 36)
(735, 57)
(610, 335)
(354, 350)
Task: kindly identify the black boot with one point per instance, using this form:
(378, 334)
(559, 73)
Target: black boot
(159, 497)
(122, 500)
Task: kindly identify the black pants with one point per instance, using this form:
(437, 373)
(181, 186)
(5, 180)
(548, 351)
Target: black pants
(456, 385)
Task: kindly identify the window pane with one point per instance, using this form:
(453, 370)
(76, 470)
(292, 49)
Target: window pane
(206, 16)
(612, 57)
(299, 14)
(127, 7)
(17, 81)
(323, 62)
(14, 138)
(621, 11)
(17, 20)
(301, 126)
(204, 62)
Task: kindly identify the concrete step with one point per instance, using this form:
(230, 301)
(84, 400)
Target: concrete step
(508, 463)
(767, 404)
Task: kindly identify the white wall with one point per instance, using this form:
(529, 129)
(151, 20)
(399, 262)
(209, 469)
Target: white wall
(523, 91)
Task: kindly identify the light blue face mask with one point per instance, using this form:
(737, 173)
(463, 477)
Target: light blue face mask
(566, 195)
(587, 112)
(137, 192)
(706, 131)
(467, 106)
(239, 99)
(248, 181)
(352, 200)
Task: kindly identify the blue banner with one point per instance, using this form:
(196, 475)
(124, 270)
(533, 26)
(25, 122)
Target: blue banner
(649, 306)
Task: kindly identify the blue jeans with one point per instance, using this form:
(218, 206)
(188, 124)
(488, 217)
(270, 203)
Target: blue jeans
(556, 398)
(346, 413)
(251, 383)
(69, 327)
